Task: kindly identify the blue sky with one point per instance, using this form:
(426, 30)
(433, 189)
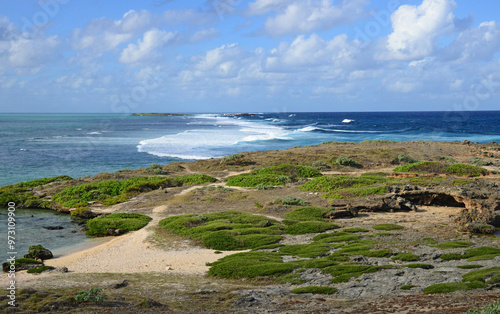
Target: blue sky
(249, 56)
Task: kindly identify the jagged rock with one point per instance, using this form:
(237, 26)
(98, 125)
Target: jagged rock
(119, 284)
(114, 232)
(39, 253)
(347, 212)
(61, 269)
(479, 228)
(466, 142)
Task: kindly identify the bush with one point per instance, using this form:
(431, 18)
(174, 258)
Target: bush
(387, 227)
(230, 230)
(453, 244)
(304, 227)
(465, 170)
(305, 250)
(422, 167)
(481, 275)
(405, 257)
(125, 222)
(307, 214)
(315, 290)
(93, 295)
(453, 286)
(471, 254)
(39, 270)
(276, 175)
(493, 308)
(291, 201)
(343, 161)
(320, 165)
(403, 158)
(232, 159)
(155, 169)
(113, 192)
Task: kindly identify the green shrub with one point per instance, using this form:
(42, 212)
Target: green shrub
(343, 161)
(422, 167)
(262, 186)
(473, 253)
(453, 286)
(113, 192)
(291, 201)
(344, 272)
(453, 244)
(320, 165)
(355, 230)
(481, 275)
(232, 159)
(93, 295)
(405, 257)
(305, 250)
(387, 227)
(307, 213)
(155, 169)
(465, 170)
(403, 158)
(276, 175)
(356, 192)
(230, 230)
(406, 287)
(293, 279)
(471, 266)
(341, 182)
(124, 221)
(315, 290)
(304, 227)
(250, 265)
(40, 269)
(493, 308)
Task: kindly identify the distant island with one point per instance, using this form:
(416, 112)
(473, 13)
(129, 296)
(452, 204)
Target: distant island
(154, 114)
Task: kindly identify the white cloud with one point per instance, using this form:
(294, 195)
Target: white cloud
(204, 34)
(151, 40)
(103, 34)
(299, 17)
(312, 51)
(416, 29)
(477, 44)
(22, 52)
(261, 7)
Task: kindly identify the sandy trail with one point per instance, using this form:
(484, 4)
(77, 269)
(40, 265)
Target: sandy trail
(132, 253)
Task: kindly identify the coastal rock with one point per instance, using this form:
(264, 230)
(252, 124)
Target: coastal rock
(347, 212)
(53, 227)
(119, 284)
(39, 253)
(61, 269)
(479, 228)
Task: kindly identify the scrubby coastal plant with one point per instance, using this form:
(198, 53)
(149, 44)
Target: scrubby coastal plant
(453, 286)
(320, 165)
(405, 257)
(290, 201)
(92, 295)
(484, 252)
(155, 169)
(114, 192)
(125, 222)
(387, 227)
(437, 167)
(403, 158)
(343, 161)
(493, 308)
(275, 175)
(38, 270)
(232, 159)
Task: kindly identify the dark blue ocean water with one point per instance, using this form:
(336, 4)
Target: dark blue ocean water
(43, 145)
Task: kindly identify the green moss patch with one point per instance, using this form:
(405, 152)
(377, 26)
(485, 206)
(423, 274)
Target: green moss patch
(304, 227)
(465, 170)
(230, 230)
(484, 252)
(250, 265)
(471, 266)
(440, 168)
(355, 230)
(387, 227)
(113, 192)
(307, 214)
(453, 245)
(305, 250)
(453, 286)
(405, 257)
(40, 269)
(315, 290)
(406, 287)
(275, 175)
(123, 221)
(481, 275)
(344, 272)
(342, 186)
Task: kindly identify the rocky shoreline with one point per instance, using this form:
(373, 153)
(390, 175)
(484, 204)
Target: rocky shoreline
(438, 231)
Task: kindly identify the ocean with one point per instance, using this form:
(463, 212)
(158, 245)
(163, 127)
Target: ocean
(45, 145)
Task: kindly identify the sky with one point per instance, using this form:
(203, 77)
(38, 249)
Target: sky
(122, 56)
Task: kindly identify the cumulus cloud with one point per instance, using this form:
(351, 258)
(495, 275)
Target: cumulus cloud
(25, 52)
(299, 17)
(416, 29)
(151, 40)
(476, 44)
